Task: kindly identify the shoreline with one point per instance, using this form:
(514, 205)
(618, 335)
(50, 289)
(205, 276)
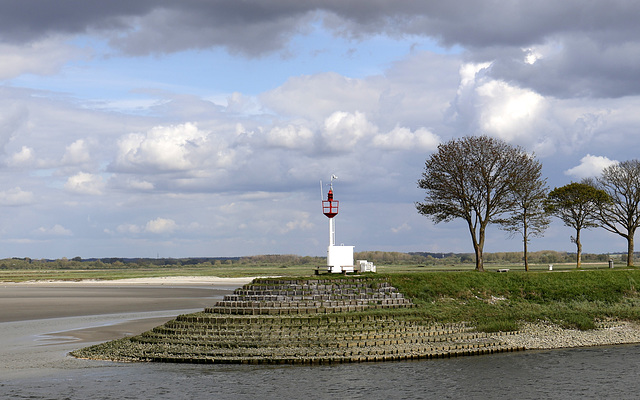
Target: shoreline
(533, 337)
(161, 281)
(545, 336)
(252, 326)
(41, 322)
(138, 297)
(38, 300)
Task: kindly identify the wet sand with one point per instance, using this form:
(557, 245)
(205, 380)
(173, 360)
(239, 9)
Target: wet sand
(41, 300)
(40, 322)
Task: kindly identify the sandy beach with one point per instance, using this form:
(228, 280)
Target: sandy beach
(40, 322)
(55, 299)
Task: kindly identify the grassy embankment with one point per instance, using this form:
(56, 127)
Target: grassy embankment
(499, 302)
(492, 301)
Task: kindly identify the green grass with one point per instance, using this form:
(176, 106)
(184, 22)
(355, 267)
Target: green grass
(495, 301)
(502, 301)
(242, 270)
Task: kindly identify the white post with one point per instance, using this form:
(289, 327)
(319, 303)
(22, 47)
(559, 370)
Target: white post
(332, 233)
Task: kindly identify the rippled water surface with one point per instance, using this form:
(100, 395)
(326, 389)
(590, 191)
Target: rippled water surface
(593, 373)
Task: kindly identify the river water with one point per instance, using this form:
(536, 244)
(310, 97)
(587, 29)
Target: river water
(590, 373)
(34, 365)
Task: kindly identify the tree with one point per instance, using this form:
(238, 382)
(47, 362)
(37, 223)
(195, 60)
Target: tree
(622, 214)
(528, 217)
(577, 205)
(473, 178)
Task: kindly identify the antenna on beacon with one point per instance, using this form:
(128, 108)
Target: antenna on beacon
(330, 186)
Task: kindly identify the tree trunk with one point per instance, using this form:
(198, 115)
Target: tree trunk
(525, 235)
(478, 243)
(579, 248)
(480, 250)
(479, 258)
(630, 248)
(526, 259)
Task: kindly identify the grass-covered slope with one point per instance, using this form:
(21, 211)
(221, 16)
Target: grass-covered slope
(340, 319)
(380, 317)
(499, 301)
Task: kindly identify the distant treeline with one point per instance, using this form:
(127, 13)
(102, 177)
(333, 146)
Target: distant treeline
(426, 258)
(118, 263)
(377, 257)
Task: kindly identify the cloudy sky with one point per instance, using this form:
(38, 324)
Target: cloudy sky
(203, 128)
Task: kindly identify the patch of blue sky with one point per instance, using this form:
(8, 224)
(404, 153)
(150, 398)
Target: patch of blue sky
(108, 77)
(321, 51)
(42, 173)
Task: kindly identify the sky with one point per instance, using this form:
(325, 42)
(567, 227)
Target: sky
(194, 128)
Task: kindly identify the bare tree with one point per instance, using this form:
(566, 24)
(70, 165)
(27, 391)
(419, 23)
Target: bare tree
(473, 178)
(528, 217)
(622, 215)
(578, 206)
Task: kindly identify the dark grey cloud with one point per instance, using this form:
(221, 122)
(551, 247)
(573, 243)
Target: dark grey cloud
(598, 55)
(168, 30)
(470, 23)
(155, 26)
(25, 21)
(582, 68)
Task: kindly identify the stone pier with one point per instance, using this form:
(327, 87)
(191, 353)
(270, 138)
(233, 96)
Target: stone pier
(303, 321)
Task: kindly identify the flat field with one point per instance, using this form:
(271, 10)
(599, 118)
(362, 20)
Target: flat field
(238, 271)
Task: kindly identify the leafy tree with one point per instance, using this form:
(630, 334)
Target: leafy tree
(622, 215)
(473, 178)
(528, 218)
(578, 206)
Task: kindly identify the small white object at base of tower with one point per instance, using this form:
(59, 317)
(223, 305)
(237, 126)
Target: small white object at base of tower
(340, 259)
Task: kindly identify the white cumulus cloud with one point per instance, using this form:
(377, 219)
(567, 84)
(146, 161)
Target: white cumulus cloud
(317, 96)
(139, 184)
(290, 136)
(128, 228)
(23, 157)
(85, 183)
(163, 148)
(343, 130)
(402, 228)
(76, 153)
(403, 139)
(508, 111)
(484, 105)
(300, 222)
(156, 226)
(56, 230)
(43, 57)
(590, 166)
(16, 197)
(161, 225)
